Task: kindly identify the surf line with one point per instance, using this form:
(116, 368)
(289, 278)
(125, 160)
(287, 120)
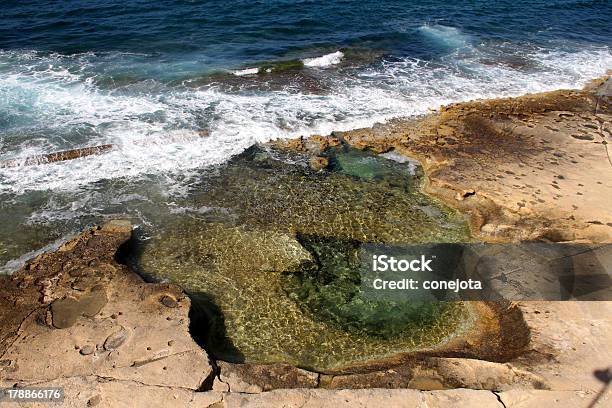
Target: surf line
(72, 154)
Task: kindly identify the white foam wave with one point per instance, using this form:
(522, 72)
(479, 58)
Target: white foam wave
(157, 132)
(446, 36)
(14, 264)
(324, 60)
(247, 71)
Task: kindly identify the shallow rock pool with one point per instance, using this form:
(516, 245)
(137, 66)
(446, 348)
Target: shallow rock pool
(270, 249)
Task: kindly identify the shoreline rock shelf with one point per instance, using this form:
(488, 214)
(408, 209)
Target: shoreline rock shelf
(118, 327)
(533, 167)
(276, 270)
(133, 347)
(78, 313)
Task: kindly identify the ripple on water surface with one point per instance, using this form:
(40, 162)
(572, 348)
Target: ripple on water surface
(273, 261)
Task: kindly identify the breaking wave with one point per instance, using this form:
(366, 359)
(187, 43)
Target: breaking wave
(445, 36)
(56, 102)
(325, 60)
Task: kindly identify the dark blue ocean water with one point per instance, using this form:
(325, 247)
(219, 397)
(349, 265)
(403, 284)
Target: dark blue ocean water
(192, 37)
(216, 34)
(149, 77)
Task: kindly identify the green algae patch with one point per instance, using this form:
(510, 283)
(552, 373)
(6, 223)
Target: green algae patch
(331, 288)
(281, 66)
(270, 258)
(363, 165)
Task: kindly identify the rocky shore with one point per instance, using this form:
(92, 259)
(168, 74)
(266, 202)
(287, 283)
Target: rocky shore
(80, 319)
(534, 167)
(77, 316)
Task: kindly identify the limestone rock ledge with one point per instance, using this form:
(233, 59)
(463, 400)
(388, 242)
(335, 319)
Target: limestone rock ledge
(77, 315)
(79, 319)
(532, 167)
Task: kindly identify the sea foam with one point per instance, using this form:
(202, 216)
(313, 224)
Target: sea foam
(450, 37)
(246, 71)
(155, 127)
(324, 60)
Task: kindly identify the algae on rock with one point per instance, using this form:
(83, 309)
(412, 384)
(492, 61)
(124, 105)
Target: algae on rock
(272, 262)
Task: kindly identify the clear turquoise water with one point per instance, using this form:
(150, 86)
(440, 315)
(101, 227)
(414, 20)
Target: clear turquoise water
(272, 255)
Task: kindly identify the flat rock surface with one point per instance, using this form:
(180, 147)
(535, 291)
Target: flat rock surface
(93, 392)
(77, 313)
(570, 343)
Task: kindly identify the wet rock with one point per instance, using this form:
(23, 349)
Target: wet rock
(116, 339)
(86, 350)
(318, 163)
(94, 302)
(317, 144)
(117, 227)
(67, 310)
(169, 301)
(293, 145)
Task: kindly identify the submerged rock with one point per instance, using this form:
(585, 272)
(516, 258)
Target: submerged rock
(333, 289)
(319, 163)
(273, 281)
(365, 166)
